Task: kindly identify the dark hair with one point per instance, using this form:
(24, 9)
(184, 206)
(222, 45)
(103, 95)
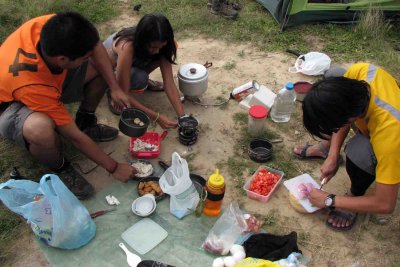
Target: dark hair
(330, 104)
(68, 34)
(151, 28)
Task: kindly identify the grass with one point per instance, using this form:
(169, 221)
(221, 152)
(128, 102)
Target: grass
(343, 43)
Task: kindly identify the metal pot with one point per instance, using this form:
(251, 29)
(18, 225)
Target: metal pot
(193, 79)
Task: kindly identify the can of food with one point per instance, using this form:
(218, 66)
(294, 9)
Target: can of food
(244, 90)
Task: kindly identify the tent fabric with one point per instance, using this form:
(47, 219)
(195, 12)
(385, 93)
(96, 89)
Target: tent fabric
(293, 12)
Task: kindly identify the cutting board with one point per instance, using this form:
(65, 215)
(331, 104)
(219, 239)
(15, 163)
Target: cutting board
(292, 185)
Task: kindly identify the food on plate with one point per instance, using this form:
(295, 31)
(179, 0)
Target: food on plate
(264, 181)
(150, 187)
(304, 190)
(143, 168)
(139, 145)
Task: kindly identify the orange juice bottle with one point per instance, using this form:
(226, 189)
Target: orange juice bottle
(215, 193)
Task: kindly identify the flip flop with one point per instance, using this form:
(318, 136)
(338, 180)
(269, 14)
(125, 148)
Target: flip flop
(303, 153)
(155, 86)
(350, 216)
(110, 104)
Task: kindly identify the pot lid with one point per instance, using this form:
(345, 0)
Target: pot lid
(193, 71)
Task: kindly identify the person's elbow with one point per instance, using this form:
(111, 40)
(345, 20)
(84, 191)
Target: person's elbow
(386, 208)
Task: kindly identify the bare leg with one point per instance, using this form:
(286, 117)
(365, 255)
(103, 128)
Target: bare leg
(95, 87)
(44, 142)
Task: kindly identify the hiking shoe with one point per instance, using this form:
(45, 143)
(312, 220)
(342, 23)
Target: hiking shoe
(87, 123)
(101, 132)
(75, 182)
(225, 10)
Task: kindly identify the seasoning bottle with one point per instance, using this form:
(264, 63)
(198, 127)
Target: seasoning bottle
(256, 121)
(215, 193)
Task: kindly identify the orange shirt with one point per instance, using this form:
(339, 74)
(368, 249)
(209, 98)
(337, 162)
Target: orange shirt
(25, 77)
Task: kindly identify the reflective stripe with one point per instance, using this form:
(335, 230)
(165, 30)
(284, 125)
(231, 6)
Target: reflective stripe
(371, 72)
(389, 108)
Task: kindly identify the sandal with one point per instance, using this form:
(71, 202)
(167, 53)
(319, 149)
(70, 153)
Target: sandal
(349, 216)
(322, 148)
(303, 153)
(110, 104)
(155, 86)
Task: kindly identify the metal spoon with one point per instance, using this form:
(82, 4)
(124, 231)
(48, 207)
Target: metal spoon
(132, 259)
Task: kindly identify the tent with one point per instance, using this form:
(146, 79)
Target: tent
(294, 12)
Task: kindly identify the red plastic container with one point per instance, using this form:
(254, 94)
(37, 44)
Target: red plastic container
(256, 196)
(152, 138)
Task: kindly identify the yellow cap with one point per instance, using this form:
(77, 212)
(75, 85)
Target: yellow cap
(216, 180)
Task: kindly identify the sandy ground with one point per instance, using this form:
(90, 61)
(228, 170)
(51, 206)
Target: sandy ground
(368, 243)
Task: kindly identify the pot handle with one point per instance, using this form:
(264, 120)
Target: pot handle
(163, 135)
(207, 64)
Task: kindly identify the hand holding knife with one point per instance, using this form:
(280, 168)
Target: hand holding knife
(323, 183)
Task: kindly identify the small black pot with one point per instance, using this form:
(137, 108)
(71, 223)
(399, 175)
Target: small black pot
(260, 150)
(126, 125)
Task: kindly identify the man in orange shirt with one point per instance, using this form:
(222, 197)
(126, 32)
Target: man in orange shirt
(50, 61)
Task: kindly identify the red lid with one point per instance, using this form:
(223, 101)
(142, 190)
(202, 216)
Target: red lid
(258, 112)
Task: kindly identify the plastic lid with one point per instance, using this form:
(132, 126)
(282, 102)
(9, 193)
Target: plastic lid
(258, 112)
(289, 86)
(216, 180)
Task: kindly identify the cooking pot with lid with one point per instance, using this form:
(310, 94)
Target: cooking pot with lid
(193, 79)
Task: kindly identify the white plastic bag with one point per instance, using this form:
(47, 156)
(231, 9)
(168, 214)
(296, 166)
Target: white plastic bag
(177, 183)
(313, 63)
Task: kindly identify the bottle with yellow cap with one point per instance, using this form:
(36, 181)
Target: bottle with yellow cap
(215, 193)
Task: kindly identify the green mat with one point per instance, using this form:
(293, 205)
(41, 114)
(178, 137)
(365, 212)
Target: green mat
(182, 247)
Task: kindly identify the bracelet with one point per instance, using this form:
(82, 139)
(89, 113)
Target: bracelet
(158, 115)
(114, 168)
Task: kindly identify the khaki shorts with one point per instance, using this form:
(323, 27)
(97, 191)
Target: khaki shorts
(14, 114)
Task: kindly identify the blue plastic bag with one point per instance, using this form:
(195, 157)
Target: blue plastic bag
(56, 216)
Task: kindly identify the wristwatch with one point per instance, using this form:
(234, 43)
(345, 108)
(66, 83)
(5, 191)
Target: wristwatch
(330, 201)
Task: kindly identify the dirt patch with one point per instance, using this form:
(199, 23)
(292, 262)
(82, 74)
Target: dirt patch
(368, 243)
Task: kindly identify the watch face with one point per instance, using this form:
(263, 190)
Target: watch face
(328, 202)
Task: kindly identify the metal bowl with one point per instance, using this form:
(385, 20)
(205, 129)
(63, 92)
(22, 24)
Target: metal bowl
(127, 125)
(260, 150)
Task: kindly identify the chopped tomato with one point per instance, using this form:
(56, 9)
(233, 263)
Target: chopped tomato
(263, 182)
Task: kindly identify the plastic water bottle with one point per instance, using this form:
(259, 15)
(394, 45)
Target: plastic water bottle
(283, 104)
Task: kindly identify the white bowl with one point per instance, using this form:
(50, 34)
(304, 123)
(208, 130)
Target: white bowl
(144, 206)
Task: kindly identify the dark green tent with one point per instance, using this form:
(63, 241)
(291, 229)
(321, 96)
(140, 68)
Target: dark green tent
(293, 12)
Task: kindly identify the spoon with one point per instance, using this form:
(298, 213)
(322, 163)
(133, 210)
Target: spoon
(132, 259)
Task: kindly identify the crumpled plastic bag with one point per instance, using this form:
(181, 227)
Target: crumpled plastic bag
(312, 63)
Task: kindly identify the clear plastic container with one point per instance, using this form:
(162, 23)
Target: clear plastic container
(256, 121)
(284, 104)
(256, 196)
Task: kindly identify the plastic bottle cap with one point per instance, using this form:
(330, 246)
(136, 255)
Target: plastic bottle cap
(289, 86)
(216, 180)
(258, 112)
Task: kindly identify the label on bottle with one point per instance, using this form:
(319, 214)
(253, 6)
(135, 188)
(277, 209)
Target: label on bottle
(215, 197)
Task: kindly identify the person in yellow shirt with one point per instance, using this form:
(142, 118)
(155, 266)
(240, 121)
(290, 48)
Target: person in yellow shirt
(367, 98)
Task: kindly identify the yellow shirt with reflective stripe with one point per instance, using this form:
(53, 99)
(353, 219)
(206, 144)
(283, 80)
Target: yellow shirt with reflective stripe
(382, 121)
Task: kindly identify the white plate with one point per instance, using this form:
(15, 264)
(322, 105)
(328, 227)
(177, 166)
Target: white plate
(144, 235)
(292, 185)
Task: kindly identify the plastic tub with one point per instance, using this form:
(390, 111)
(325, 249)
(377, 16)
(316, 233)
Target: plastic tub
(259, 197)
(153, 140)
(256, 120)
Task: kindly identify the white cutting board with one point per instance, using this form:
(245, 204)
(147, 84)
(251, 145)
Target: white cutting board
(292, 185)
